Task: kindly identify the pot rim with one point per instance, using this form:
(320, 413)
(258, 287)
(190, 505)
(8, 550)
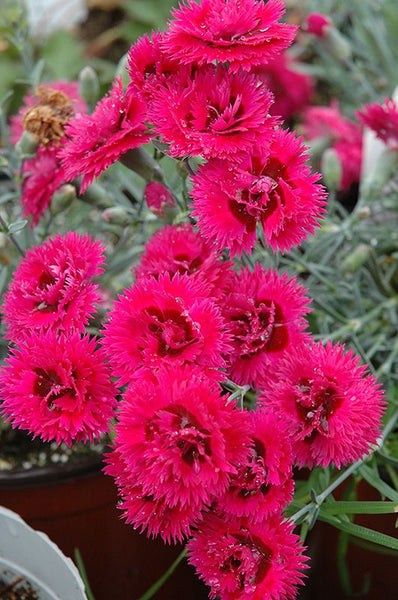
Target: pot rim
(51, 474)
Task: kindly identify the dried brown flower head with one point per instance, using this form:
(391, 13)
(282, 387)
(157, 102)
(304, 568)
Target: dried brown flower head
(48, 117)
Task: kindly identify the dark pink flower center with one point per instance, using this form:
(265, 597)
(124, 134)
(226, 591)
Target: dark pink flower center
(260, 200)
(259, 328)
(251, 478)
(255, 203)
(249, 560)
(49, 386)
(316, 401)
(173, 331)
(186, 264)
(179, 428)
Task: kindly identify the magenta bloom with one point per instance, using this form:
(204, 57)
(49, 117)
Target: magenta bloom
(244, 562)
(180, 249)
(179, 438)
(71, 89)
(213, 113)
(43, 175)
(265, 313)
(164, 321)
(263, 484)
(52, 287)
(268, 185)
(145, 512)
(58, 387)
(317, 24)
(292, 88)
(383, 120)
(241, 33)
(158, 198)
(96, 141)
(330, 404)
(344, 135)
(149, 65)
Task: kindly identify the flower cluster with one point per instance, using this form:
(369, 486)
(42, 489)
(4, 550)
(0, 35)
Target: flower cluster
(56, 384)
(223, 390)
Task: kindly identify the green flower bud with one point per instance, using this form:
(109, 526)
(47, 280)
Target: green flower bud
(338, 45)
(356, 259)
(63, 198)
(96, 195)
(116, 215)
(89, 85)
(331, 169)
(27, 145)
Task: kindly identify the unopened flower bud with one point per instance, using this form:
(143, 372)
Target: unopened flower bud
(364, 212)
(158, 198)
(356, 259)
(88, 85)
(317, 24)
(96, 195)
(338, 44)
(27, 145)
(115, 215)
(63, 198)
(121, 70)
(331, 169)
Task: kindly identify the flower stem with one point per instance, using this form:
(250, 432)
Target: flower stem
(11, 237)
(158, 584)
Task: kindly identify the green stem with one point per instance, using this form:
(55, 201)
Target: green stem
(83, 574)
(158, 584)
(11, 237)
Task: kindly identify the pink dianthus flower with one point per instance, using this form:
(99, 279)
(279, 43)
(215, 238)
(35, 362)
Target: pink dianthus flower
(271, 186)
(318, 24)
(265, 313)
(52, 287)
(148, 65)
(263, 484)
(331, 405)
(179, 437)
(58, 387)
(164, 321)
(240, 561)
(98, 140)
(344, 135)
(42, 176)
(158, 198)
(213, 112)
(181, 249)
(241, 33)
(147, 513)
(383, 120)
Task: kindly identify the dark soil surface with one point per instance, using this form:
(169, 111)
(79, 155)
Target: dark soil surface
(19, 589)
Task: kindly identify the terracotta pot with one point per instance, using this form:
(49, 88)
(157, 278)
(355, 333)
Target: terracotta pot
(76, 506)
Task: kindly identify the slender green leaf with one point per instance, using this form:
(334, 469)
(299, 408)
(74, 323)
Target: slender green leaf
(360, 508)
(364, 533)
(374, 480)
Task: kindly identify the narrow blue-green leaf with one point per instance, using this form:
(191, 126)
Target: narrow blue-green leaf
(83, 574)
(360, 508)
(364, 533)
(380, 485)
